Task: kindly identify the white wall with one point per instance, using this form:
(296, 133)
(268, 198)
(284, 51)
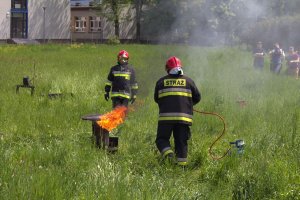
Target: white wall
(57, 19)
(127, 27)
(5, 19)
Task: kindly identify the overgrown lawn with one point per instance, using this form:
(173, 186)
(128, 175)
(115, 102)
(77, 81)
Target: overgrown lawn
(46, 150)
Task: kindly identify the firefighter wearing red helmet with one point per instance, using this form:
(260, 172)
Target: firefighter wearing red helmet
(121, 82)
(175, 95)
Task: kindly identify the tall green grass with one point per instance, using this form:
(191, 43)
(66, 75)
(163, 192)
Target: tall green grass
(46, 151)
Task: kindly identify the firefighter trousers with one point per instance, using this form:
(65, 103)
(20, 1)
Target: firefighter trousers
(116, 101)
(181, 133)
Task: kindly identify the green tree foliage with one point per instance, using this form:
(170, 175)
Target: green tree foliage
(193, 21)
(270, 22)
(284, 30)
(277, 8)
(207, 22)
(138, 5)
(160, 15)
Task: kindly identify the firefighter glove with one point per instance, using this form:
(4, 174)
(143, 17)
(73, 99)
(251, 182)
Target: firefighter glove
(132, 100)
(106, 96)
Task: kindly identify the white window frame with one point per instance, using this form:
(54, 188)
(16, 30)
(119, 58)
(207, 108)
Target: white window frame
(80, 24)
(95, 24)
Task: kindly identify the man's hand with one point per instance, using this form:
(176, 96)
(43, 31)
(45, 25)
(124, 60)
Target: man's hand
(106, 96)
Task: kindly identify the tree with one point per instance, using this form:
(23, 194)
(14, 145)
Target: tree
(111, 9)
(205, 22)
(162, 14)
(138, 5)
(138, 9)
(193, 21)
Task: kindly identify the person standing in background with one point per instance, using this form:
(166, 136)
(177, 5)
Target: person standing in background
(121, 82)
(277, 56)
(292, 62)
(258, 55)
(122, 87)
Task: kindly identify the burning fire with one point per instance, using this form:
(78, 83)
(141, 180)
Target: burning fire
(111, 120)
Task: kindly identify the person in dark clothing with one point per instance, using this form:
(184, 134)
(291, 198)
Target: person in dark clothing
(121, 82)
(175, 95)
(277, 56)
(258, 54)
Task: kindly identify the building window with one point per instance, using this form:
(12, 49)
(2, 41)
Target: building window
(19, 4)
(80, 24)
(95, 24)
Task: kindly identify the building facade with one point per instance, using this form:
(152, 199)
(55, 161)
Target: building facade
(35, 19)
(85, 23)
(88, 24)
(5, 7)
(75, 20)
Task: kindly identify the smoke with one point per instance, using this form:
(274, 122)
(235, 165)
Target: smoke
(215, 23)
(253, 10)
(206, 23)
(221, 23)
(215, 68)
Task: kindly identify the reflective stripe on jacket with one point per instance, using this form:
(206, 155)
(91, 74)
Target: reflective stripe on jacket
(176, 117)
(121, 82)
(176, 95)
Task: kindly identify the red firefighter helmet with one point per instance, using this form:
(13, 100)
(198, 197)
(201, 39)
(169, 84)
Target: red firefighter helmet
(173, 62)
(123, 56)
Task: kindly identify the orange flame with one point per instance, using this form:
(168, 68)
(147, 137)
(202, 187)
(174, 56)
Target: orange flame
(111, 120)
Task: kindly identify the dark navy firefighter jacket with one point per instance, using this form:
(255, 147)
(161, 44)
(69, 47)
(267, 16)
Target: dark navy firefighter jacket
(175, 96)
(122, 82)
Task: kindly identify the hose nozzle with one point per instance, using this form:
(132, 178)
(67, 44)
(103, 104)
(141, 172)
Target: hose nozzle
(239, 144)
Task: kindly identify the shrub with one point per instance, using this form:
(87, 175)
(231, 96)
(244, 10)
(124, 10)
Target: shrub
(113, 40)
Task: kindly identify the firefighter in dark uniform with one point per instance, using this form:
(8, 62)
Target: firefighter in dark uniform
(121, 82)
(175, 95)
(123, 86)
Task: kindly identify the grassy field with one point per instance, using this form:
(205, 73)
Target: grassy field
(46, 150)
